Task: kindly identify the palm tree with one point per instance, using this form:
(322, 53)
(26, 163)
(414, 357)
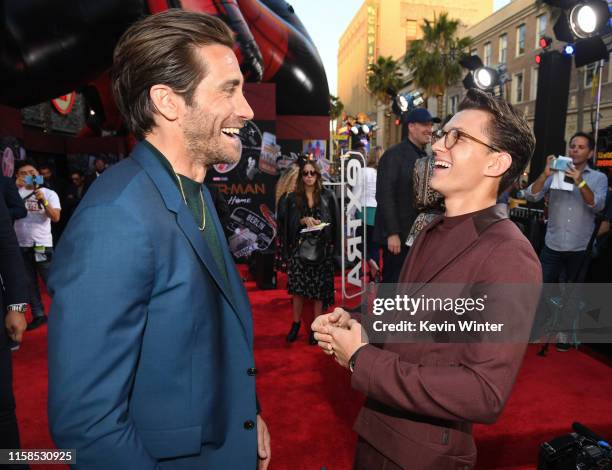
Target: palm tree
(434, 59)
(336, 107)
(385, 79)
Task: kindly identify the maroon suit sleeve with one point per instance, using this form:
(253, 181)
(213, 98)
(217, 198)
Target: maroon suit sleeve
(474, 388)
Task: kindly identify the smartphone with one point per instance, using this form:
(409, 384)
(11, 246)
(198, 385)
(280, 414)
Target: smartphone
(34, 180)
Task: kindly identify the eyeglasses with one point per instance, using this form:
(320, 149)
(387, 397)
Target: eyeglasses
(309, 173)
(452, 136)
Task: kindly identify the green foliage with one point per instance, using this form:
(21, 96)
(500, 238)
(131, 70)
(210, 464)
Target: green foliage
(336, 107)
(384, 75)
(434, 59)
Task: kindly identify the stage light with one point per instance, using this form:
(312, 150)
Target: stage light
(569, 49)
(545, 42)
(588, 18)
(485, 78)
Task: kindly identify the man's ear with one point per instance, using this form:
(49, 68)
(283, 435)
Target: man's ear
(499, 164)
(167, 104)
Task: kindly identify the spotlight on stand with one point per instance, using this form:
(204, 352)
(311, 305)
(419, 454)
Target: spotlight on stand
(479, 76)
(585, 25)
(485, 78)
(405, 102)
(587, 19)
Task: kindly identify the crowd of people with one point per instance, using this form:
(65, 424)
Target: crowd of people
(150, 337)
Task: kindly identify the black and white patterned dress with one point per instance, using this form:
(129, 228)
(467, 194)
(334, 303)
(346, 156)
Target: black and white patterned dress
(313, 282)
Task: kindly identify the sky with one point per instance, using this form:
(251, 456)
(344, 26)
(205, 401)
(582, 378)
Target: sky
(326, 20)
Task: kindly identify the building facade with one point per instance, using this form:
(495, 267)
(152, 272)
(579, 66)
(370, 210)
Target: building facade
(384, 28)
(511, 36)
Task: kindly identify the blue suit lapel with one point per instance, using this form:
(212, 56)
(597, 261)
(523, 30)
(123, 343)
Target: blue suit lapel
(173, 201)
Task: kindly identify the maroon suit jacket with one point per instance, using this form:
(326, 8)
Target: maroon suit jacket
(422, 398)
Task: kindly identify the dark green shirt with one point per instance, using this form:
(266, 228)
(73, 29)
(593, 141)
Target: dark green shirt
(194, 198)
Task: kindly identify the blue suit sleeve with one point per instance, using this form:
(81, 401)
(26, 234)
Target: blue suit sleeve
(101, 283)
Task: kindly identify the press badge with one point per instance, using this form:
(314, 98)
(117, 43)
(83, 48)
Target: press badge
(40, 254)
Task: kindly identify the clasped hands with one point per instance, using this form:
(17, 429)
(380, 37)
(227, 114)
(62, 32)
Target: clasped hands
(338, 335)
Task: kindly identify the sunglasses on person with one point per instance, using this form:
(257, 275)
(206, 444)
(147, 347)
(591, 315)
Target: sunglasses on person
(452, 135)
(309, 173)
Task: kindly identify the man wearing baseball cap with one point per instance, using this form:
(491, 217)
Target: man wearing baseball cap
(395, 212)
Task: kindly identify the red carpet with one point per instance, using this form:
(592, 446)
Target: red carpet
(310, 407)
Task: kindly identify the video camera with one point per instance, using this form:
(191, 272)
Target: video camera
(580, 450)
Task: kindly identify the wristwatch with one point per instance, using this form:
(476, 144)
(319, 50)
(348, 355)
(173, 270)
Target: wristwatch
(21, 308)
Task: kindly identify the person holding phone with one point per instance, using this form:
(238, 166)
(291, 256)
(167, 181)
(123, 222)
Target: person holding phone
(34, 233)
(571, 215)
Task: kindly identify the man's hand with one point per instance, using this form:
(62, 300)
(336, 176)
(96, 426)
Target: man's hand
(574, 173)
(264, 453)
(547, 170)
(39, 195)
(341, 342)
(394, 244)
(15, 324)
(320, 327)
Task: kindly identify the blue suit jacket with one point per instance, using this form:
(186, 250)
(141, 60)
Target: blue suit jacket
(149, 347)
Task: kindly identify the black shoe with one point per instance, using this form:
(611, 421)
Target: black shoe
(563, 347)
(293, 332)
(311, 339)
(36, 322)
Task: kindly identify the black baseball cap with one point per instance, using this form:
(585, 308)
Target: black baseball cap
(421, 115)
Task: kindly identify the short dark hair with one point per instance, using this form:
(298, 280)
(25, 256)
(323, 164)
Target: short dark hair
(77, 172)
(588, 137)
(507, 129)
(21, 163)
(161, 49)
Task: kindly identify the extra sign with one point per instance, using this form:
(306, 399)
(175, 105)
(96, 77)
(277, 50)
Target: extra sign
(352, 175)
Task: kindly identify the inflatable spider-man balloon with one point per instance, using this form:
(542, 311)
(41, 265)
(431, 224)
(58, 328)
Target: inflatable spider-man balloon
(49, 48)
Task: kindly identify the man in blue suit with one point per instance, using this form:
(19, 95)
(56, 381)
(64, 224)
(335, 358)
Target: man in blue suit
(150, 333)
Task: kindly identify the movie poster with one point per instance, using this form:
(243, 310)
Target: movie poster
(248, 187)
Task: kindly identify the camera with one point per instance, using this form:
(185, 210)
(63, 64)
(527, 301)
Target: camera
(580, 450)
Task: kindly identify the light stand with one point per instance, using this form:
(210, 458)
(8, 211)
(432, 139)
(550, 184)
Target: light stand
(597, 116)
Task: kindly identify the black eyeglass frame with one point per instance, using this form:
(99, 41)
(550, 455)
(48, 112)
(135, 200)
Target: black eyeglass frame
(440, 133)
(309, 173)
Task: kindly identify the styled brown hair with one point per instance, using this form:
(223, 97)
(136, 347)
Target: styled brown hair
(300, 190)
(507, 129)
(161, 49)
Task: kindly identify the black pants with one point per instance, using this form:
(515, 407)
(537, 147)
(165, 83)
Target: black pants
(392, 264)
(34, 269)
(9, 433)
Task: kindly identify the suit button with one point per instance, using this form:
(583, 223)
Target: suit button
(252, 371)
(249, 424)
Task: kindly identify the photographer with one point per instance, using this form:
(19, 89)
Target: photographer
(571, 215)
(34, 233)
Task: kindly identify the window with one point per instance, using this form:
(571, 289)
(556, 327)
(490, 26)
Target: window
(487, 54)
(589, 74)
(541, 23)
(517, 87)
(453, 103)
(520, 40)
(533, 93)
(503, 48)
(411, 30)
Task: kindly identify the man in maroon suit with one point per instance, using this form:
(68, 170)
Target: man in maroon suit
(422, 398)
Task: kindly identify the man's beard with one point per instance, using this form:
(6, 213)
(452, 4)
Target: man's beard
(203, 145)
